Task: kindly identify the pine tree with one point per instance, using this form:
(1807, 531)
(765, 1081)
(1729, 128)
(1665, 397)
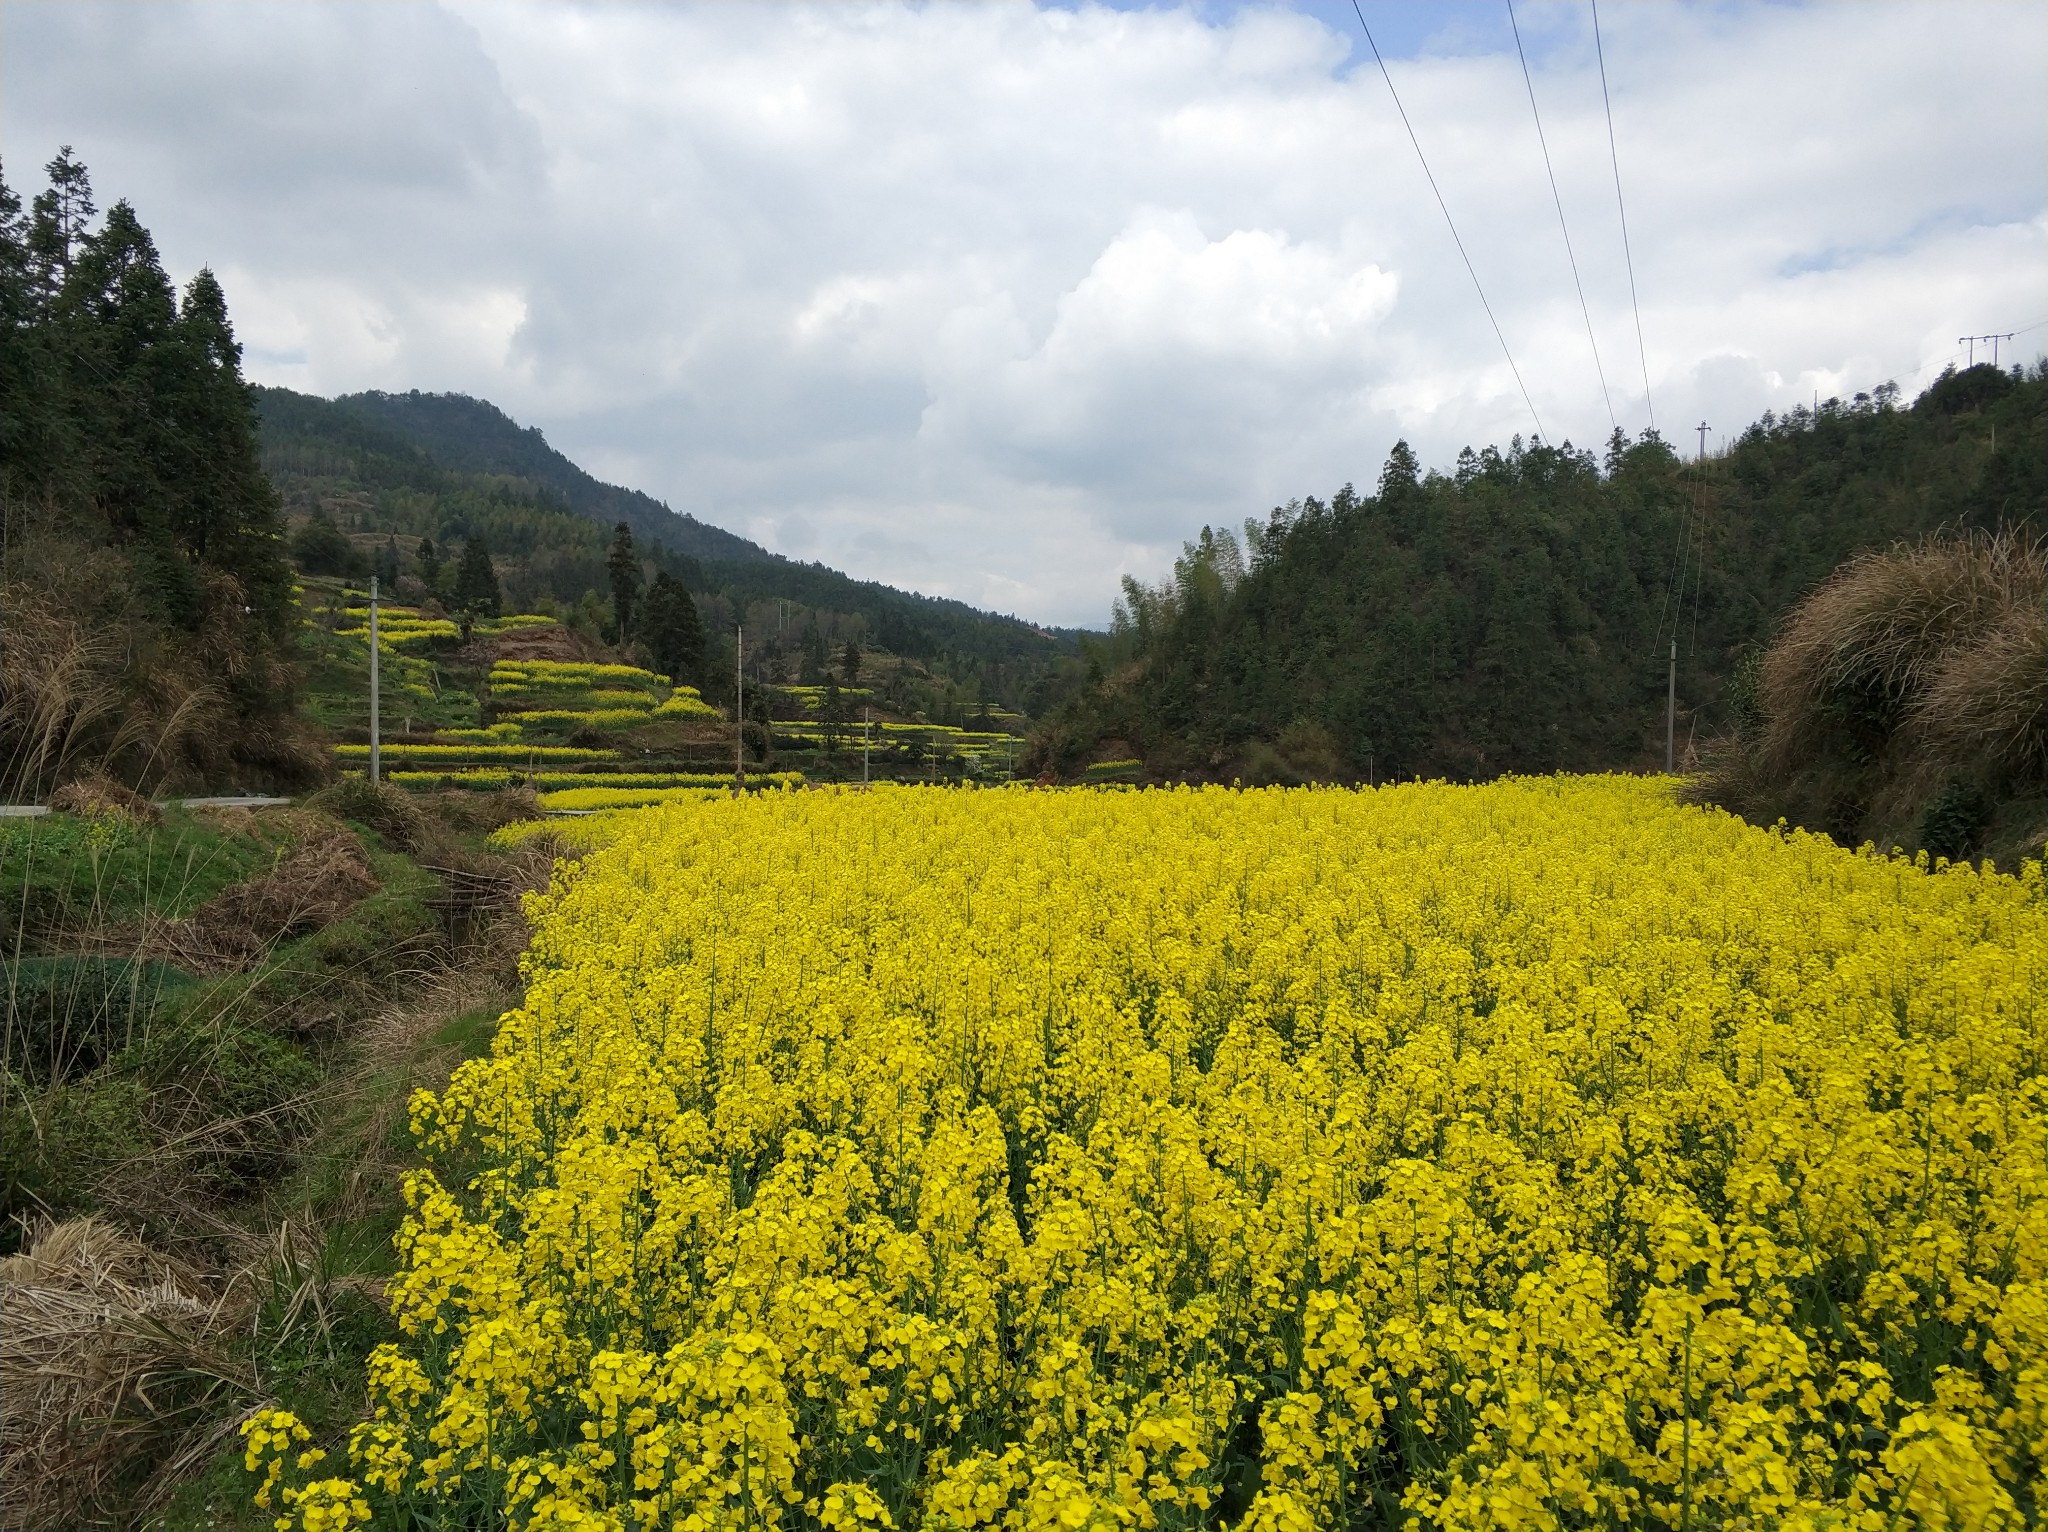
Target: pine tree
(623, 564)
(672, 630)
(816, 655)
(114, 322)
(430, 563)
(224, 509)
(849, 662)
(32, 433)
(62, 215)
(476, 581)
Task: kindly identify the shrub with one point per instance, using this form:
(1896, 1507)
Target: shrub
(1905, 699)
(1955, 821)
(387, 810)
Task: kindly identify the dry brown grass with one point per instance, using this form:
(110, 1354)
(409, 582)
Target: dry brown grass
(93, 679)
(111, 1354)
(80, 694)
(480, 813)
(391, 811)
(1856, 656)
(1911, 671)
(1989, 702)
(94, 794)
(319, 876)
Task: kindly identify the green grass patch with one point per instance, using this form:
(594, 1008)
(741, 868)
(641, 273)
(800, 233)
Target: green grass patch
(337, 689)
(64, 871)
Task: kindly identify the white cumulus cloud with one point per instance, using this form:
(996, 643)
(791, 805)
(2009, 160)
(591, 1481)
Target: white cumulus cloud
(1002, 302)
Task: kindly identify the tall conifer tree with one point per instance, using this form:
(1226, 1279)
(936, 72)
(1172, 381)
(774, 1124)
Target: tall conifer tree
(476, 581)
(672, 629)
(623, 565)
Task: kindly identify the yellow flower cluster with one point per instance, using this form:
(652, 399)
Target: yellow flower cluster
(400, 750)
(1538, 1155)
(596, 797)
(403, 628)
(559, 694)
(559, 781)
(272, 1442)
(684, 702)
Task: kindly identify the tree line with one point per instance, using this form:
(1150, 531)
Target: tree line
(147, 589)
(1516, 614)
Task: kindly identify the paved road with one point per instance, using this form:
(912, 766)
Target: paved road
(37, 810)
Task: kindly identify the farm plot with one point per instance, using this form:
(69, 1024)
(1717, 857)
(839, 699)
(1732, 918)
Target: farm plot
(1534, 1155)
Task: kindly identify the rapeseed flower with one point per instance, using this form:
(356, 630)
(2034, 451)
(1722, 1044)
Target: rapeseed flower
(1539, 1155)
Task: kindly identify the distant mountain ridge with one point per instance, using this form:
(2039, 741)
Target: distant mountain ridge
(394, 471)
(475, 436)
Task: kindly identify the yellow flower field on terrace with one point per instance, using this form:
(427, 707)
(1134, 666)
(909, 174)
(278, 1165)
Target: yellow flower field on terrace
(1533, 1155)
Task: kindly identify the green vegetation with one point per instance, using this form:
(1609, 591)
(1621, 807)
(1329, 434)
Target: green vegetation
(146, 600)
(411, 481)
(65, 872)
(213, 1022)
(1516, 614)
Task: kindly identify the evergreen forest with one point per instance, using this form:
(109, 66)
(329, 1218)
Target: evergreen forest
(1518, 612)
(149, 615)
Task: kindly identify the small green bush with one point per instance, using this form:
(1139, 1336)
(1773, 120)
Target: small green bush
(65, 1015)
(58, 1146)
(1955, 821)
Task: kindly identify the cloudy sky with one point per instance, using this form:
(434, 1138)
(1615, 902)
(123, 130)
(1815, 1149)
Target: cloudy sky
(1003, 302)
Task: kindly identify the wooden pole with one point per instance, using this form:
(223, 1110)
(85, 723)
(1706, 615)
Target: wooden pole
(376, 740)
(1671, 708)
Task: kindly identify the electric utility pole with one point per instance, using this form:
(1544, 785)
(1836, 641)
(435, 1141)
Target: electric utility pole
(739, 711)
(1973, 341)
(1671, 707)
(866, 730)
(375, 734)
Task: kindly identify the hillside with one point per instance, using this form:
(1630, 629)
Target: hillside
(392, 469)
(474, 436)
(1516, 614)
(146, 612)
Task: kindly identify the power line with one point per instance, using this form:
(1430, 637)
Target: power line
(1699, 563)
(1559, 200)
(1674, 580)
(1950, 356)
(1449, 220)
(1614, 156)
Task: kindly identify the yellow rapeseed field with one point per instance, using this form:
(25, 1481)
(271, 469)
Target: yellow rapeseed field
(1524, 1156)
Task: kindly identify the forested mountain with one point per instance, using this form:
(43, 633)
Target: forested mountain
(145, 603)
(474, 436)
(402, 481)
(1516, 614)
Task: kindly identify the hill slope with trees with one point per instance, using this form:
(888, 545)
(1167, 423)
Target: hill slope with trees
(146, 608)
(398, 483)
(1517, 613)
(473, 436)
